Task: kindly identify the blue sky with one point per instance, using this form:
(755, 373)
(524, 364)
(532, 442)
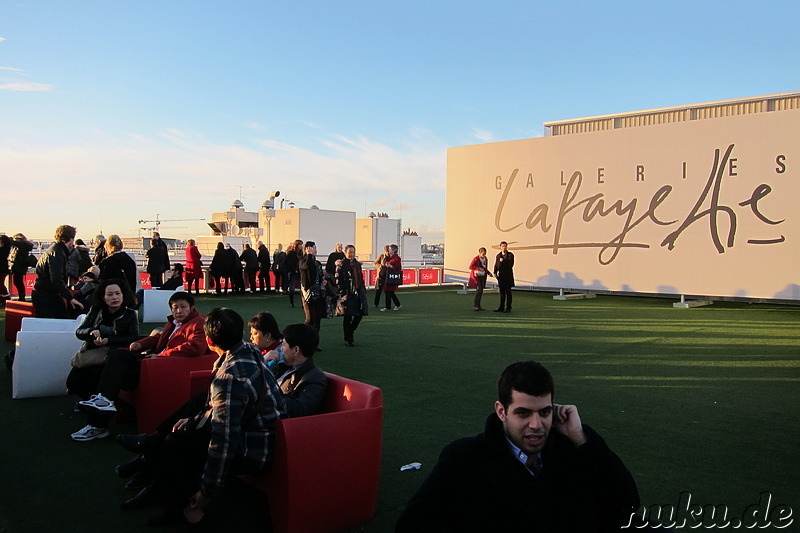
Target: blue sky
(111, 112)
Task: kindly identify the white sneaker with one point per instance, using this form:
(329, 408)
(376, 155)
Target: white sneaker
(99, 402)
(398, 307)
(385, 309)
(90, 433)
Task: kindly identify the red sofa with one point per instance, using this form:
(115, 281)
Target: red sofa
(163, 387)
(325, 474)
(15, 312)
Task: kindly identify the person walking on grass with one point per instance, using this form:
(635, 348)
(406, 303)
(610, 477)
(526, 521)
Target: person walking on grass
(392, 264)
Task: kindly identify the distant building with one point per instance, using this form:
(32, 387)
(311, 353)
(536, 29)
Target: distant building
(325, 227)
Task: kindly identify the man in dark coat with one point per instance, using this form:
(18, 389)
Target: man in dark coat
(264, 284)
(250, 260)
(504, 272)
(235, 266)
(335, 255)
(50, 291)
(157, 261)
(277, 267)
(518, 475)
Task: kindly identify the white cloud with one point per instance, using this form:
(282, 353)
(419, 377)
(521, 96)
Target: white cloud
(26, 86)
(180, 174)
(483, 135)
(11, 68)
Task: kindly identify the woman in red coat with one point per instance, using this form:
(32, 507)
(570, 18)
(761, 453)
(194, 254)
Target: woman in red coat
(477, 277)
(194, 266)
(391, 264)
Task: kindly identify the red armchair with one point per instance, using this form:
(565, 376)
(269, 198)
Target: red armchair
(325, 474)
(163, 387)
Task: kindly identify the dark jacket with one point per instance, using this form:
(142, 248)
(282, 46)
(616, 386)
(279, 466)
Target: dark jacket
(290, 262)
(121, 266)
(219, 264)
(478, 486)
(157, 258)
(100, 253)
(278, 257)
(263, 260)
(19, 255)
(310, 272)
(250, 259)
(304, 389)
(120, 328)
(51, 271)
(5, 250)
(234, 261)
(85, 262)
(349, 282)
(330, 266)
(504, 269)
(172, 283)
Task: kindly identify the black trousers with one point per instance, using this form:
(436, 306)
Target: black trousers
(251, 279)
(83, 382)
(19, 283)
(3, 288)
(505, 297)
(313, 312)
(49, 305)
(156, 280)
(391, 296)
(350, 325)
(264, 281)
(479, 291)
(122, 371)
(177, 464)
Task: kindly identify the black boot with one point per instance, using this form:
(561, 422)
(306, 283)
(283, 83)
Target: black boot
(130, 468)
(143, 498)
(142, 443)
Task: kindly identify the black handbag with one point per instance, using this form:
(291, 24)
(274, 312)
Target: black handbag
(394, 277)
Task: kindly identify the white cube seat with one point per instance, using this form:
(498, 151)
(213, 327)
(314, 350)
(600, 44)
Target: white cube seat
(155, 305)
(44, 349)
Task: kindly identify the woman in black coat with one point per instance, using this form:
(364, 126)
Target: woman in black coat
(119, 264)
(351, 289)
(19, 262)
(219, 268)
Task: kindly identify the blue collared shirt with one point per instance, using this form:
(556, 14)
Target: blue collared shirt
(522, 457)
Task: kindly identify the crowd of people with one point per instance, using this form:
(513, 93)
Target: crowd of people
(535, 459)
(67, 275)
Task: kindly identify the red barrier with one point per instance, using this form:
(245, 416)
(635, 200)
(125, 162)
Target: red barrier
(428, 276)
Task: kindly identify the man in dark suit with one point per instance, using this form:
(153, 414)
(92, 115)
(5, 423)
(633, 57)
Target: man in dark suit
(504, 272)
(534, 468)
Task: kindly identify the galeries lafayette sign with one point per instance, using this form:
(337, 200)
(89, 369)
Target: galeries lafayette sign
(703, 207)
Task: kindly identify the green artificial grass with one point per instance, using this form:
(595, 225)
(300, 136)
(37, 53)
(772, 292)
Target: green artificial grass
(702, 400)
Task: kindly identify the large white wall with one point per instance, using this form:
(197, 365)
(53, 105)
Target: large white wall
(706, 207)
(322, 226)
